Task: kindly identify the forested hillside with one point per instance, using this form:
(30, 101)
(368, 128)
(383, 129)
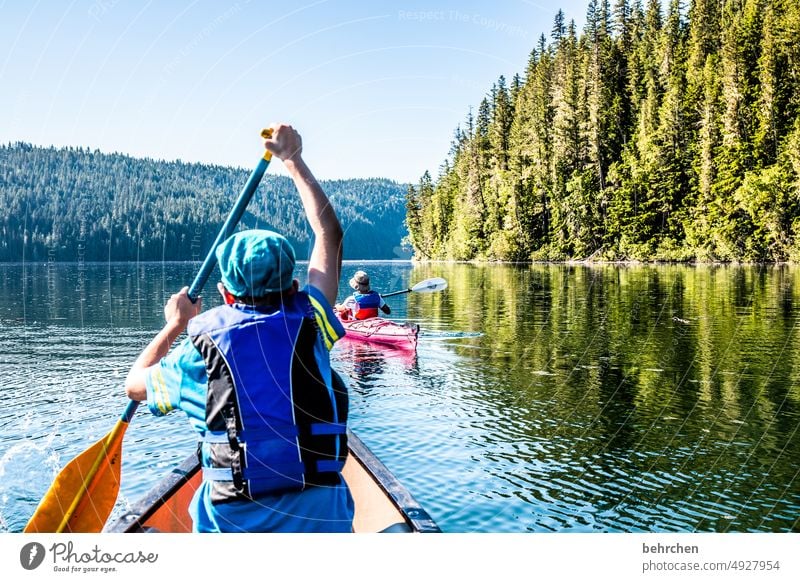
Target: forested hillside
(650, 134)
(78, 205)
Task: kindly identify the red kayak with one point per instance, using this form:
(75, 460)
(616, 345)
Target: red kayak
(382, 331)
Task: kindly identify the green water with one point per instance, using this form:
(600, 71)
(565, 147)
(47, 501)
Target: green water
(541, 398)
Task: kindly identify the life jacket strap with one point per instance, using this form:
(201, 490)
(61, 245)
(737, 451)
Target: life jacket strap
(330, 466)
(283, 469)
(251, 436)
(275, 472)
(328, 428)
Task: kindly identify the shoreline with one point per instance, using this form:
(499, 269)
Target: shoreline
(475, 262)
(188, 261)
(626, 263)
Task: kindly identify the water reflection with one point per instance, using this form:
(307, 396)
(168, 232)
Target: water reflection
(366, 362)
(541, 397)
(661, 396)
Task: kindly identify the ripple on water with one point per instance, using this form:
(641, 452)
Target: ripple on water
(615, 433)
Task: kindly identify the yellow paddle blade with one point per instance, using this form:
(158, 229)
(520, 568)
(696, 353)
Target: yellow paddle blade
(84, 492)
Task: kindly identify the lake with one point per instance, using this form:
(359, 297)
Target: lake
(542, 398)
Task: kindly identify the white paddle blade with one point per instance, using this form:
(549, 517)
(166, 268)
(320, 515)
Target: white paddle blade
(430, 285)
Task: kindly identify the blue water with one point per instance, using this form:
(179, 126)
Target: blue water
(541, 398)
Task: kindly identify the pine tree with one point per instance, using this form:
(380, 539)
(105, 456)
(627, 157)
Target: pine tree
(559, 28)
(502, 116)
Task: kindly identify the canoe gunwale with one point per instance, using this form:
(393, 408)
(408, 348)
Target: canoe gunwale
(417, 519)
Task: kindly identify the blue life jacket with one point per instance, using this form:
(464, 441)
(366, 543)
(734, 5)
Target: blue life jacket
(368, 304)
(276, 418)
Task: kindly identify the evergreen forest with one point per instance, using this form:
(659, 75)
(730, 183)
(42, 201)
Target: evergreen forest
(661, 131)
(73, 204)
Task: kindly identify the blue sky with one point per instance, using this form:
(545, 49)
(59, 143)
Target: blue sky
(375, 88)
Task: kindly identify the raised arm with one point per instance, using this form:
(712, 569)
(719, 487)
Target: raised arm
(177, 313)
(325, 262)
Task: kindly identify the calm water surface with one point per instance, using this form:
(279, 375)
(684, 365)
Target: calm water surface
(542, 398)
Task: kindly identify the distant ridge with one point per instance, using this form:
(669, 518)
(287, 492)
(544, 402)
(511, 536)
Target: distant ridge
(74, 204)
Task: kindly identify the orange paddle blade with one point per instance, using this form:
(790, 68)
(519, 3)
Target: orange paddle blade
(84, 492)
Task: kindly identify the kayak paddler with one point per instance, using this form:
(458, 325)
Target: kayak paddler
(255, 380)
(364, 303)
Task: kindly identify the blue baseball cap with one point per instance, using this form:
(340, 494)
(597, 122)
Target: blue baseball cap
(256, 262)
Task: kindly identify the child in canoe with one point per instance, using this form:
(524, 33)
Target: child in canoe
(254, 377)
(364, 303)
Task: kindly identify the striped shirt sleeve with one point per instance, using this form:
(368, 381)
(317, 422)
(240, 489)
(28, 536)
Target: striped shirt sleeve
(171, 383)
(329, 325)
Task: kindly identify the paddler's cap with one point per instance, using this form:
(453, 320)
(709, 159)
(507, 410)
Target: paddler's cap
(360, 282)
(254, 263)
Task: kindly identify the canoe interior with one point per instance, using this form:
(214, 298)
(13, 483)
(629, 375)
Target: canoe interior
(382, 504)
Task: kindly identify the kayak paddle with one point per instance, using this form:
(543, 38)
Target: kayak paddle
(83, 494)
(426, 286)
